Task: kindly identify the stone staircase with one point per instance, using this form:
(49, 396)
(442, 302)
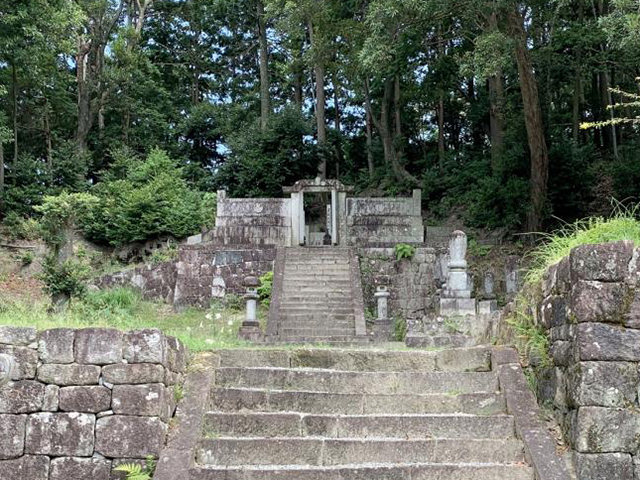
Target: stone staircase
(356, 414)
(317, 297)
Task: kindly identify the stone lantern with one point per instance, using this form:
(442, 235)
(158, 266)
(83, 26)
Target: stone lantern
(250, 329)
(383, 327)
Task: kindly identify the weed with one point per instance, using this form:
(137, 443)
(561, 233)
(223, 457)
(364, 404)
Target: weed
(452, 326)
(26, 258)
(400, 329)
(178, 393)
(622, 225)
(138, 472)
(264, 290)
(404, 250)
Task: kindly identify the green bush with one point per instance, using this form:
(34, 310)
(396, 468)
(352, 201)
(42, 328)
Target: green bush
(404, 250)
(145, 199)
(66, 278)
(265, 288)
(26, 258)
(22, 228)
(400, 329)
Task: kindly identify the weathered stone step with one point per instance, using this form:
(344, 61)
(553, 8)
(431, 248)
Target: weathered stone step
(456, 340)
(332, 300)
(311, 323)
(324, 452)
(315, 331)
(295, 268)
(335, 341)
(406, 427)
(344, 307)
(321, 318)
(358, 382)
(477, 359)
(237, 399)
(418, 471)
(311, 283)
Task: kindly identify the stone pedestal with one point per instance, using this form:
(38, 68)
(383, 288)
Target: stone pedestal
(250, 329)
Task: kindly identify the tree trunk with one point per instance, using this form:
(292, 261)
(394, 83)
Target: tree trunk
(496, 118)
(265, 109)
(14, 90)
(84, 95)
(440, 116)
(320, 106)
(338, 125)
(47, 135)
(577, 86)
(1, 178)
(397, 106)
(369, 127)
(533, 123)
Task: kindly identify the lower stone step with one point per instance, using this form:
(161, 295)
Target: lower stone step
(405, 427)
(366, 472)
(440, 341)
(327, 452)
(358, 382)
(335, 341)
(238, 399)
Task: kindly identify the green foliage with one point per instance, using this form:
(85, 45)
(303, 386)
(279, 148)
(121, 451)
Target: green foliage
(26, 258)
(61, 213)
(622, 225)
(264, 290)
(138, 472)
(532, 340)
(400, 329)
(234, 302)
(22, 228)
(404, 250)
(64, 278)
(145, 199)
(477, 250)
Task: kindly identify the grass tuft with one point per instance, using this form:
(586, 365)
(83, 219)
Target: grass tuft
(622, 225)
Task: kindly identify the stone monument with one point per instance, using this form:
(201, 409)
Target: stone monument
(250, 329)
(456, 294)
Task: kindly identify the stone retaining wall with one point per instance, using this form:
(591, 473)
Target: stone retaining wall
(591, 312)
(82, 401)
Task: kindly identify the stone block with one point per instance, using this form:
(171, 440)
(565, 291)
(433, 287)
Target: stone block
(145, 346)
(551, 386)
(25, 396)
(51, 398)
(553, 311)
(56, 345)
(91, 399)
(603, 384)
(177, 355)
(487, 307)
(77, 468)
(26, 361)
(599, 302)
(597, 341)
(28, 467)
(563, 276)
(604, 430)
(12, 428)
(144, 400)
(631, 318)
(121, 436)
(562, 353)
(604, 262)
(17, 335)
(604, 466)
(133, 373)
(60, 434)
(71, 374)
(98, 346)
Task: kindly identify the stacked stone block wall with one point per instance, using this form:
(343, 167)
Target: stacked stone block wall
(411, 282)
(155, 281)
(82, 401)
(591, 312)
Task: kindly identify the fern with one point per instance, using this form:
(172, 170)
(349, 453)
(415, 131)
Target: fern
(137, 472)
(403, 250)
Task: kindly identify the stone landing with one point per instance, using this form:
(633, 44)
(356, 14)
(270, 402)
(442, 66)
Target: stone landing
(316, 297)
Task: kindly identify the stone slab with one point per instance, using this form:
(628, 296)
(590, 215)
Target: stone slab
(136, 373)
(56, 345)
(60, 434)
(120, 436)
(88, 399)
(17, 335)
(98, 346)
(24, 396)
(145, 346)
(144, 400)
(76, 468)
(597, 341)
(28, 467)
(12, 428)
(65, 375)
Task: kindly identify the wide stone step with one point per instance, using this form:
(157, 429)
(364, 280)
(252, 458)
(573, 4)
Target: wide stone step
(334, 341)
(311, 323)
(259, 400)
(336, 268)
(324, 452)
(477, 359)
(406, 427)
(418, 471)
(311, 283)
(342, 308)
(357, 382)
(321, 318)
(441, 341)
(315, 332)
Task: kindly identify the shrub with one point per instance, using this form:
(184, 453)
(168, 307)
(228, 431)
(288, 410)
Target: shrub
(22, 228)
(400, 329)
(265, 288)
(26, 258)
(149, 199)
(64, 278)
(404, 250)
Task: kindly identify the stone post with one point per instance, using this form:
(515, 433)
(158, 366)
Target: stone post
(7, 367)
(383, 327)
(250, 329)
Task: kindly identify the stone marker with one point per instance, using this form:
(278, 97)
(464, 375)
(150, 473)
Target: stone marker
(250, 329)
